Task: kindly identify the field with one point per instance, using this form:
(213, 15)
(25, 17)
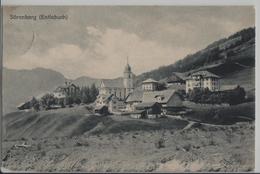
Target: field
(71, 139)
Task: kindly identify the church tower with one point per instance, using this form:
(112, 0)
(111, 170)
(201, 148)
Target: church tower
(128, 79)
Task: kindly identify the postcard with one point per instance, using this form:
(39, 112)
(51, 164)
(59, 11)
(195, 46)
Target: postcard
(149, 88)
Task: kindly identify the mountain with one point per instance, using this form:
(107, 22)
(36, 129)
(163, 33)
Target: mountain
(86, 81)
(20, 85)
(223, 57)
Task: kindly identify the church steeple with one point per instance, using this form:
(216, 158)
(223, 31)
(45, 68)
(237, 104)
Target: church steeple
(127, 67)
(128, 78)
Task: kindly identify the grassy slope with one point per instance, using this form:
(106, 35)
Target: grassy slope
(75, 122)
(244, 78)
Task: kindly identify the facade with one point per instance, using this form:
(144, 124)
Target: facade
(166, 98)
(133, 99)
(120, 88)
(152, 109)
(203, 79)
(67, 90)
(113, 103)
(150, 85)
(176, 79)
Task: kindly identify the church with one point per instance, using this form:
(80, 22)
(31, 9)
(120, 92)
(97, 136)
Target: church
(119, 88)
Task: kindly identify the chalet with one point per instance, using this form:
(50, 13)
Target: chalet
(133, 99)
(203, 79)
(169, 99)
(152, 109)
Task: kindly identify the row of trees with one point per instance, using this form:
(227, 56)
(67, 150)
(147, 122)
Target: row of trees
(232, 97)
(85, 95)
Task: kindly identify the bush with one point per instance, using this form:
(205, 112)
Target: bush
(232, 97)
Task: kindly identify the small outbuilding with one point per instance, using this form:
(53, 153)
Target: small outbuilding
(152, 109)
(102, 110)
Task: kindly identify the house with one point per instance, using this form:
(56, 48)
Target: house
(67, 90)
(133, 99)
(176, 79)
(101, 110)
(152, 109)
(120, 87)
(150, 85)
(24, 105)
(113, 103)
(169, 99)
(116, 105)
(203, 79)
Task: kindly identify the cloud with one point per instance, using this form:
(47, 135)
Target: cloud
(95, 41)
(106, 59)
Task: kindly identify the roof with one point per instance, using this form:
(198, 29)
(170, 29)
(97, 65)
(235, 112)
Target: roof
(146, 105)
(205, 74)
(150, 80)
(135, 96)
(113, 83)
(176, 77)
(150, 96)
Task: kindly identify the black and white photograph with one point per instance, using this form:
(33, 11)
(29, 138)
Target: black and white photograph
(138, 88)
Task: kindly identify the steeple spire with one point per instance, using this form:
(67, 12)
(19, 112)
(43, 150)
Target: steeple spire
(127, 60)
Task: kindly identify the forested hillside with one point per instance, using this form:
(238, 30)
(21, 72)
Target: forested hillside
(235, 52)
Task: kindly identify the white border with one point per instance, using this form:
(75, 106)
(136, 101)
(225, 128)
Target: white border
(256, 3)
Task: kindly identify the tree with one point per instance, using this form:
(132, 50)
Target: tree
(93, 92)
(47, 100)
(35, 104)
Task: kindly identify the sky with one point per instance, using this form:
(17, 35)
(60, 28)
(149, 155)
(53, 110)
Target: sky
(95, 41)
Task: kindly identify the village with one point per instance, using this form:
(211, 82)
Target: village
(151, 99)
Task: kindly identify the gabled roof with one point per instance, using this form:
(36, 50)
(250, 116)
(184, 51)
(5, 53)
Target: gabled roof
(150, 80)
(176, 76)
(113, 83)
(135, 96)
(205, 74)
(151, 96)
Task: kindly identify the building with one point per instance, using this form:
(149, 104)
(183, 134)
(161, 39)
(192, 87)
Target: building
(176, 79)
(133, 99)
(169, 99)
(113, 103)
(120, 87)
(152, 110)
(203, 79)
(150, 85)
(67, 90)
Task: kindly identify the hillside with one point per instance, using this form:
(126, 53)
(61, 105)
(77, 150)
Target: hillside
(71, 139)
(20, 85)
(222, 55)
(76, 121)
